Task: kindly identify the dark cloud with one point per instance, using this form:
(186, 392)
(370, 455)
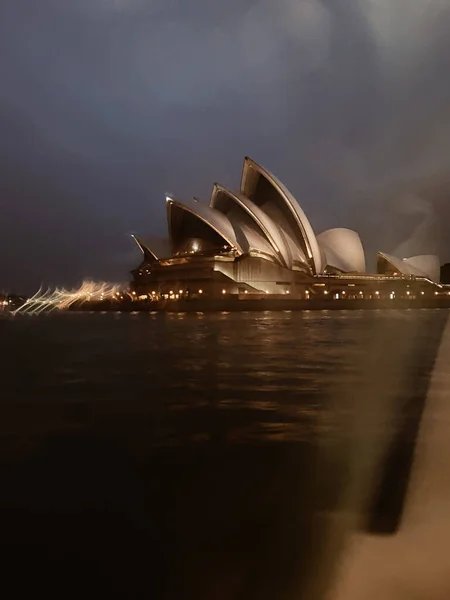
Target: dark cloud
(106, 105)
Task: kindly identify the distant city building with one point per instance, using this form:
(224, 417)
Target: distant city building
(445, 274)
(259, 241)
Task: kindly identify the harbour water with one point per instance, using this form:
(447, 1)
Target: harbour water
(178, 455)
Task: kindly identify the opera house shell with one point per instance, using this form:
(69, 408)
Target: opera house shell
(425, 265)
(255, 240)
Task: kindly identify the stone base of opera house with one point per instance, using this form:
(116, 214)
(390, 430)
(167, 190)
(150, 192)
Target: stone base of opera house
(262, 303)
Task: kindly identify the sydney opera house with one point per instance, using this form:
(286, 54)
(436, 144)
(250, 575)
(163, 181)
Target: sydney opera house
(257, 241)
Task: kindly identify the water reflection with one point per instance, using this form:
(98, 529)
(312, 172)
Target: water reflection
(240, 430)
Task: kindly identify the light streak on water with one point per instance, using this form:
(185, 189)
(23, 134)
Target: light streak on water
(62, 299)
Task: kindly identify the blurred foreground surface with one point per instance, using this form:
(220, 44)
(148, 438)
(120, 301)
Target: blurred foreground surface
(415, 562)
(189, 456)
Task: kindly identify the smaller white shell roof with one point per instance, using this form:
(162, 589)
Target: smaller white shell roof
(343, 250)
(429, 264)
(425, 265)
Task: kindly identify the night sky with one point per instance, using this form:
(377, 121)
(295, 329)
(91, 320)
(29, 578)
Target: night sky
(107, 105)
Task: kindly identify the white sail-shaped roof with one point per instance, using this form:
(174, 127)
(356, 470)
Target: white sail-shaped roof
(251, 240)
(282, 243)
(426, 265)
(269, 194)
(229, 202)
(153, 249)
(146, 251)
(395, 263)
(264, 219)
(343, 250)
(214, 219)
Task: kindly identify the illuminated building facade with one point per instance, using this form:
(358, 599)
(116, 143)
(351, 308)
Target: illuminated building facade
(257, 241)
